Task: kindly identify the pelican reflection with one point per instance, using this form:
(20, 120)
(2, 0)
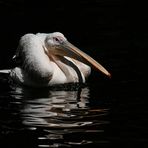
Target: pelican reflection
(57, 106)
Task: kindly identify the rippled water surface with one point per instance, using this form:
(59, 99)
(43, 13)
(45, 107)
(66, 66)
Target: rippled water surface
(51, 118)
(103, 113)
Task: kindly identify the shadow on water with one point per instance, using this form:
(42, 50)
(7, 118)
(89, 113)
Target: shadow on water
(51, 118)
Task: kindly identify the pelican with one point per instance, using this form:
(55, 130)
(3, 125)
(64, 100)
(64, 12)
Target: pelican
(47, 59)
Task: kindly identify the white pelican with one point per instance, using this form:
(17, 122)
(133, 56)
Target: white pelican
(49, 59)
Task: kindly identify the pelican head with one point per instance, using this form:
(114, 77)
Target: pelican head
(57, 44)
(54, 40)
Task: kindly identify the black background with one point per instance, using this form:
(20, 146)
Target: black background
(110, 25)
(114, 32)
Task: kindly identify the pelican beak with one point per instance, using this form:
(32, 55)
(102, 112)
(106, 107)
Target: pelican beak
(73, 52)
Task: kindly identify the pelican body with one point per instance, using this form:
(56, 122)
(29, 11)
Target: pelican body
(49, 59)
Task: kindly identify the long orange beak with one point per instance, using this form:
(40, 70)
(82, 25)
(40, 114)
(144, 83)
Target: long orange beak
(67, 49)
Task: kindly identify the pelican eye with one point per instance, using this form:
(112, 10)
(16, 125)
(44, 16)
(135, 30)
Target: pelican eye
(56, 39)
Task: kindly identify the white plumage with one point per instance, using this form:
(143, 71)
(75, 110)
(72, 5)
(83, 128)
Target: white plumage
(49, 59)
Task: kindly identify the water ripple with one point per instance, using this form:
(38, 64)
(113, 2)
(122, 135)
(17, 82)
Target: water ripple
(61, 109)
(61, 118)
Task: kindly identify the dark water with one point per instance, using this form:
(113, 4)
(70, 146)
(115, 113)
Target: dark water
(103, 113)
(52, 118)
